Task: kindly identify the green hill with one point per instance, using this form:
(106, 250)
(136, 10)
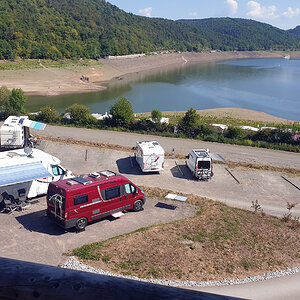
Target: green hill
(242, 34)
(295, 31)
(94, 28)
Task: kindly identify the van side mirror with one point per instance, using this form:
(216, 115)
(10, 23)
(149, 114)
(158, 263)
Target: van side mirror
(188, 156)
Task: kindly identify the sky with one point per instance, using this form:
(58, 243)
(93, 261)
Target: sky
(284, 14)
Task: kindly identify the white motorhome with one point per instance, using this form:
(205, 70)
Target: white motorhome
(150, 156)
(28, 174)
(200, 164)
(15, 131)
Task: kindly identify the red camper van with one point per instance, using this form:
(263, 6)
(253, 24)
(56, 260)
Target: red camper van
(75, 202)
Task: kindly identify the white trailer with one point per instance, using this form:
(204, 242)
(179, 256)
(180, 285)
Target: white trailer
(28, 175)
(15, 131)
(150, 156)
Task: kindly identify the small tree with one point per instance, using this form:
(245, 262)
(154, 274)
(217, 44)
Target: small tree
(79, 114)
(5, 94)
(122, 112)
(156, 115)
(17, 101)
(48, 114)
(188, 124)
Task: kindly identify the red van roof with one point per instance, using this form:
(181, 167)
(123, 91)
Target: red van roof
(89, 180)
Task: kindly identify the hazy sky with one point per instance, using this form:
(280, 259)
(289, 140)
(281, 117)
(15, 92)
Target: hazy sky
(284, 14)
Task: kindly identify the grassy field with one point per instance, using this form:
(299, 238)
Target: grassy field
(219, 242)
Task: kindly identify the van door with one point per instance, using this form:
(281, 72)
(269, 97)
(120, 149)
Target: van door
(112, 199)
(129, 195)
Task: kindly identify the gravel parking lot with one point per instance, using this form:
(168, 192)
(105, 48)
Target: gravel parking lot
(31, 236)
(269, 188)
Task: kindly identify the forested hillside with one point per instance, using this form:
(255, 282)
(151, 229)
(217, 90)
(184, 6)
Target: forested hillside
(296, 30)
(242, 34)
(92, 28)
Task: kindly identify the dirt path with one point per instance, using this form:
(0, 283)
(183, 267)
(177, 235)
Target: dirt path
(229, 152)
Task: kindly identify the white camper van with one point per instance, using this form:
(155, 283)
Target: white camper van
(150, 156)
(15, 131)
(199, 162)
(28, 174)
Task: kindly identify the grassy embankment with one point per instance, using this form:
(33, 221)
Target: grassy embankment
(25, 64)
(219, 242)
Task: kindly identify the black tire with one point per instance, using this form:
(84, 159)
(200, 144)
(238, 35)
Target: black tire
(138, 205)
(81, 224)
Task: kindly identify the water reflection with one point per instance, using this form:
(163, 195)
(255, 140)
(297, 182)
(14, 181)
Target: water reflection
(269, 85)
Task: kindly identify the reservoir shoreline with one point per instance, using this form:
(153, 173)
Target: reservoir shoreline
(58, 81)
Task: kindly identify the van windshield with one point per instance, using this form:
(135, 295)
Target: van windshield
(203, 164)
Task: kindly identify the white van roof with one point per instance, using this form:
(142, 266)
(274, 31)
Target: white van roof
(151, 147)
(19, 157)
(201, 153)
(23, 121)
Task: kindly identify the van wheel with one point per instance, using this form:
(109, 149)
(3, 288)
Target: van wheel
(138, 205)
(81, 224)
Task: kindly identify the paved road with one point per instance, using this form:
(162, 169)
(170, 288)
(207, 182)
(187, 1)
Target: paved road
(229, 152)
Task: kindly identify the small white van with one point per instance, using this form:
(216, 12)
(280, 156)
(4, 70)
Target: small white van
(200, 164)
(150, 156)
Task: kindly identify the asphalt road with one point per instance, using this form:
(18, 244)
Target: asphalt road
(183, 146)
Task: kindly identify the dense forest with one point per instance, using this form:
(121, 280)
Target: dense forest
(92, 28)
(296, 30)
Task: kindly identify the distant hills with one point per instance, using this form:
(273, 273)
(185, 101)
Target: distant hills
(93, 28)
(295, 31)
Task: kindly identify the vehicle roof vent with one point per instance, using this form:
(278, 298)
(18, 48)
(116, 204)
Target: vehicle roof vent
(72, 182)
(95, 175)
(81, 180)
(108, 173)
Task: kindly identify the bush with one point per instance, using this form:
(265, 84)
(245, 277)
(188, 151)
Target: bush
(48, 114)
(80, 114)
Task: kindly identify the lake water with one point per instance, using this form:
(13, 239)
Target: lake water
(268, 85)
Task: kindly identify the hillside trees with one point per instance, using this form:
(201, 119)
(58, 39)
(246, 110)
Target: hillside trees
(70, 29)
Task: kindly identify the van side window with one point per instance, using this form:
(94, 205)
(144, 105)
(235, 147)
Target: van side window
(80, 199)
(129, 189)
(56, 170)
(112, 193)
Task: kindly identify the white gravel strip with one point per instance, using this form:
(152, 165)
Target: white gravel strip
(73, 264)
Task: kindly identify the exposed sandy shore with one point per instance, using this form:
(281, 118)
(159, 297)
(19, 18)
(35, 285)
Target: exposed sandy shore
(54, 81)
(231, 113)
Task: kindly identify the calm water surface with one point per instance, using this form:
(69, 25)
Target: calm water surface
(268, 85)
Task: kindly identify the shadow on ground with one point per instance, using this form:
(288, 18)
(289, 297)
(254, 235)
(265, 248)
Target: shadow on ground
(39, 222)
(128, 165)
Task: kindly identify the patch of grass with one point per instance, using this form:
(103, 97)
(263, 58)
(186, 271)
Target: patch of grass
(154, 272)
(221, 242)
(90, 251)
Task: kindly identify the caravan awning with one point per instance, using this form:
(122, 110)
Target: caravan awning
(22, 173)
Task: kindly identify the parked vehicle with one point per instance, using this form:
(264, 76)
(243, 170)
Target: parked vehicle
(200, 163)
(77, 201)
(28, 175)
(150, 156)
(15, 131)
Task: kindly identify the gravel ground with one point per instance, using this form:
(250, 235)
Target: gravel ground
(271, 191)
(74, 264)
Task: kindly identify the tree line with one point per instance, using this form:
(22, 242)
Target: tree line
(58, 29)
(122, 118)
